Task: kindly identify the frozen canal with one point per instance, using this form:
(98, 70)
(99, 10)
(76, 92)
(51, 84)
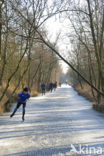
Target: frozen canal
(61, 123)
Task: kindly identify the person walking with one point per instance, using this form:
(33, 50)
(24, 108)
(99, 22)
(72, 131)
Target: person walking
(22, 99)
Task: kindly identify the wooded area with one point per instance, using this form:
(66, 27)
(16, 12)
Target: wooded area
(27, 57)
(88, 45)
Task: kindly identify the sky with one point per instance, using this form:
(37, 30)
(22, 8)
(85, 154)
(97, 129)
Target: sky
(54, 27)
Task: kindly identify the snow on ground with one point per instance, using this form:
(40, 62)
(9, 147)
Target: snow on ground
(55, 124)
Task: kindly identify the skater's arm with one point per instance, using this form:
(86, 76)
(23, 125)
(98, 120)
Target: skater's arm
(28, 96)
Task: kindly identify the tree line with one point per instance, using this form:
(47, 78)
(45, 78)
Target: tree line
(88, 45)
(28, 57)
(24, 59)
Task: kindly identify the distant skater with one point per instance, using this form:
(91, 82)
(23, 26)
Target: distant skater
(60, 84)
(43, 88)
(22, 98)
(51, 86)
(55, 85)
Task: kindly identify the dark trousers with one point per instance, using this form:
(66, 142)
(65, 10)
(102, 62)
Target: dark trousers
(43, 91)
(23, 108)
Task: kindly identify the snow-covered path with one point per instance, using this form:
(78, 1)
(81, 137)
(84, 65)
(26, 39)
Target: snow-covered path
(54, 124)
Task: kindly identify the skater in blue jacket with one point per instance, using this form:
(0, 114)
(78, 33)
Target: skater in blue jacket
(43, 88)
(22, 98)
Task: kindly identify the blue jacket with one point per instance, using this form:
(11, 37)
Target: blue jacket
(23, 97)
(43, 86)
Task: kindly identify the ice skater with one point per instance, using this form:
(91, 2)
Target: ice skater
(43, 88)
(51, 86)
(22, 98)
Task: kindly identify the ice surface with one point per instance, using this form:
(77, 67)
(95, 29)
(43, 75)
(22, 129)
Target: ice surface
(52, 123)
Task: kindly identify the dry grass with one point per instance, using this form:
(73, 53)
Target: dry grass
(1, 110)
(34, 93)
(98, 107)
(86, 92)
